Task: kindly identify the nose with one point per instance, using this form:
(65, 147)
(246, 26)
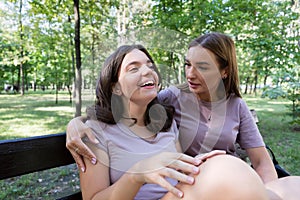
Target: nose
(190, 72)
(146, 70)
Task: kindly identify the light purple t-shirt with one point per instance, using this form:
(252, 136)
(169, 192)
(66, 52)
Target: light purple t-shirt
(124, 149)
(205, 126)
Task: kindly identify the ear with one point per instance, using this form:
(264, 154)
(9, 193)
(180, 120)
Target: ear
(224, 73)
(116, 89)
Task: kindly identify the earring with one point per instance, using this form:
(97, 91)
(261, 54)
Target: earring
(224, 77)
(118, 92)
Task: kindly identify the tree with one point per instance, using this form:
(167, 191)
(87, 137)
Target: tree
(78, 78)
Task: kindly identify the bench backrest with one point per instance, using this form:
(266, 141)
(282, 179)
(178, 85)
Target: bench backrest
(26, 155)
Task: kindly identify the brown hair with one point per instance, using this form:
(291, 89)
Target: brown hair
(109, 107)
(224, 49)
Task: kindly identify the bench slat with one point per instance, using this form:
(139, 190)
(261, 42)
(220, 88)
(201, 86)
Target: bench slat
(76, 196)
(26, 155)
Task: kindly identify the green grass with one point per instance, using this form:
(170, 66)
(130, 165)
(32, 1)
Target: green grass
(37, 114)
(31, 115)
(274, 117)
(48, 184)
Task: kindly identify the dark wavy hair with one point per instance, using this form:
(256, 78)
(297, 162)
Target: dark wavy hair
(109, 107)
(222, 46)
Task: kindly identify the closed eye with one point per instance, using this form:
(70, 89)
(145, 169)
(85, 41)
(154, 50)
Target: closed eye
(133, 68)
(151, 66)
(201, 68)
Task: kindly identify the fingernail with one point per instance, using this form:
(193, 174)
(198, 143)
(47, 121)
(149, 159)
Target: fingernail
(198, 161)
(82, 169)
(96, 141)
(180, 194)
(195, 169)
(93, 161)
(190, 179)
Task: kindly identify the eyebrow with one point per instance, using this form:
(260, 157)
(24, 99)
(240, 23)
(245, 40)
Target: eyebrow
(198, 63)
(202, 63)
(136, 62)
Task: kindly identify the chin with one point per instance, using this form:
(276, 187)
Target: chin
(194, 90)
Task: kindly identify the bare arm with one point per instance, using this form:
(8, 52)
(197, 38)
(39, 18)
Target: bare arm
(262, 163)
(76, 129)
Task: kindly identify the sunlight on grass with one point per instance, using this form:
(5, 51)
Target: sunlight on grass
(28, 129)
(280, 103)
(265, 109)
(32, 115)
(62, 108)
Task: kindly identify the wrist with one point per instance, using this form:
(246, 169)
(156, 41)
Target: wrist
(135, 179)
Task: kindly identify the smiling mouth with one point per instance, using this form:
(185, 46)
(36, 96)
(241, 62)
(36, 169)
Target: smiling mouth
(147, 84)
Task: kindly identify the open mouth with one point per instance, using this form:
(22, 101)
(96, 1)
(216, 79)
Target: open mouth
(147, 84)
(193, 84)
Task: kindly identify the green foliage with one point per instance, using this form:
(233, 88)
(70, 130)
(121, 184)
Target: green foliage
(273, 93)
(265, 33)
(287, 86)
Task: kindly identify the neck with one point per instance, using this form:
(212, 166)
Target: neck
(137, 112)
(206, 97)
(210, 97)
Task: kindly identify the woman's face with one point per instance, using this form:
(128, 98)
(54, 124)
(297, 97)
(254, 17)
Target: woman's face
(138, 82)
(202, 72)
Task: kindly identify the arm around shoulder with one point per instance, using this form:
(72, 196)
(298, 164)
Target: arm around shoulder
(76, 130)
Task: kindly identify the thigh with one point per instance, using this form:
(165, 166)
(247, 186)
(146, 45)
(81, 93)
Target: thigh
(223, 177)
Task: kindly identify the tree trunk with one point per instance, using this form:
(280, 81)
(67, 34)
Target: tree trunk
(78, 78)
(255, 82)
(265, 80)
(246, 85)
(71, 70)
(21, 49)
(56, 84)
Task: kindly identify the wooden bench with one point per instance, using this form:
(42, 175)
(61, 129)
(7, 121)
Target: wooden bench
(27, 155)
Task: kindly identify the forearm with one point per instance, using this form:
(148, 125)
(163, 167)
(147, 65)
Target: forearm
(266, 171)
(262, 163)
